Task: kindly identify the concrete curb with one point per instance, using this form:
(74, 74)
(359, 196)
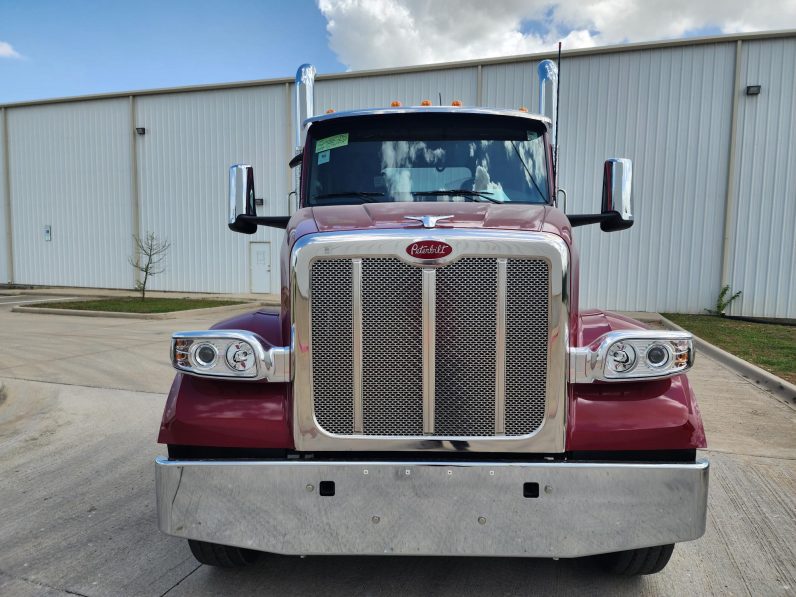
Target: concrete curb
(169, 315)
(777, 386)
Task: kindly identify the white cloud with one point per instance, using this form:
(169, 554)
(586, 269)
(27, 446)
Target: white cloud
(8, 51)
(382, 33)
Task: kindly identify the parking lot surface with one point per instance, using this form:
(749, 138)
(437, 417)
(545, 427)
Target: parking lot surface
(79, 412)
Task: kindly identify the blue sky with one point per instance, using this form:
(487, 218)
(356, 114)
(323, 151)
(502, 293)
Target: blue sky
(77, 48)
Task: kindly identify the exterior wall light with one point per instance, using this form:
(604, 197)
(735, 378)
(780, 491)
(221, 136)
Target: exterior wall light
(753, 89)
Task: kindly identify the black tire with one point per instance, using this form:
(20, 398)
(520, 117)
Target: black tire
(222, 556)
(635, 562)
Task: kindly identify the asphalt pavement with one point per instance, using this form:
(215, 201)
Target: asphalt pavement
(79, 413)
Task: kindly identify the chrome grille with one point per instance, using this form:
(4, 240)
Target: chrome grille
(471, 354)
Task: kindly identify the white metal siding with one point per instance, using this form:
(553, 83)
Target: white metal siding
(410, 89)
(4, 273)
(764, 229)
(70, 168)
(669, 111)
(191, 140)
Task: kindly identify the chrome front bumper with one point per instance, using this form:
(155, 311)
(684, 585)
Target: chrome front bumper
(430, 508)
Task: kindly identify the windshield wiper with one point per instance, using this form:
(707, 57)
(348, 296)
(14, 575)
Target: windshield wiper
(458, 193)
(366, 196)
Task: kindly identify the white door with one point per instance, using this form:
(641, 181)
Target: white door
(260, 267)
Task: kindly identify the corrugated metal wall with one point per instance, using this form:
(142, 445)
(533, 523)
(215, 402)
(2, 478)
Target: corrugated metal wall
(408, 88)
(672, 118)
(191, 139)
(667, 108)
(763, 256)
(69, 167)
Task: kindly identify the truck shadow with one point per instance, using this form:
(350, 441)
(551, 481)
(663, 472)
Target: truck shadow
(414, 576)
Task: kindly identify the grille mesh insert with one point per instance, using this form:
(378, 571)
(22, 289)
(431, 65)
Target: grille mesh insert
(392, 348)
(526, 344)
(465, 348)
(332, 345)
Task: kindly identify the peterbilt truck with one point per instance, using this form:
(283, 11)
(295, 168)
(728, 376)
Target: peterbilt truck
(429, 384)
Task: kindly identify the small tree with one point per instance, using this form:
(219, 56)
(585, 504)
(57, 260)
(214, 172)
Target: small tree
(151, 252)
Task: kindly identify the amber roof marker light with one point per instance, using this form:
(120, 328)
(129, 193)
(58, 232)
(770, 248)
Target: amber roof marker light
(395, 104)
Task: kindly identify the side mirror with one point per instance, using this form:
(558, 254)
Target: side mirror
(241, 199)
(617, 208)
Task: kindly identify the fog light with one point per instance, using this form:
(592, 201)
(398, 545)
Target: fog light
(657, 355)
(240, 356)
(621, 357)
(205, 355)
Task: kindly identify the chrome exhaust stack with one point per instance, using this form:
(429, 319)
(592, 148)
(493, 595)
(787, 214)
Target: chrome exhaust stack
(305, 100)
(304, 108)
(548, 99)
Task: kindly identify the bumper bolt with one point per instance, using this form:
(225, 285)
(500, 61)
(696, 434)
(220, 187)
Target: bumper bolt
(481, 520)
(548, 489)
(375, 520)
(310, 487)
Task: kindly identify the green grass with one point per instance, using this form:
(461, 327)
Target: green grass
(769, 346)
(136, 305)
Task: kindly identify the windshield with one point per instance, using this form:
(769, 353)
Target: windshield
(426, 157)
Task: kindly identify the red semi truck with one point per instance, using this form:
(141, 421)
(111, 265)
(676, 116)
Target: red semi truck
(430, 385)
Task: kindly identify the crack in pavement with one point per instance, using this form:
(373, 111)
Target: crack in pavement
(37, 583)
(180, 581)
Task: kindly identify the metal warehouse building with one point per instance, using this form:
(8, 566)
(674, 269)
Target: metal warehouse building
(714, 171)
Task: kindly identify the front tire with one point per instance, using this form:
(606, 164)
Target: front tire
(636, 562)
(222, 556)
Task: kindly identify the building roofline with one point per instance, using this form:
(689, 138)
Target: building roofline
(612, 49)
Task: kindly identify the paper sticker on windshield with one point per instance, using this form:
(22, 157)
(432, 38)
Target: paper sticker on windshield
(323, 157)
(332, 142)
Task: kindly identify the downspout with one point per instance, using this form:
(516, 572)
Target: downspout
(729, 200)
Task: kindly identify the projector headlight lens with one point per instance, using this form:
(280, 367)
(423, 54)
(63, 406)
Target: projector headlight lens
(657, 355)
(205, 355)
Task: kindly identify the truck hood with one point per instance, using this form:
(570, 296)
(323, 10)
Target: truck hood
(394, 215)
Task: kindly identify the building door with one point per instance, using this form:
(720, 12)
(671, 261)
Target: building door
(260, 267)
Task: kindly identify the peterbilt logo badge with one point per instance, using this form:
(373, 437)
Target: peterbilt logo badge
(429, 249)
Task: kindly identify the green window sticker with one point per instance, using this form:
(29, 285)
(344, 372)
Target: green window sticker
(332, 142)
(323, 157)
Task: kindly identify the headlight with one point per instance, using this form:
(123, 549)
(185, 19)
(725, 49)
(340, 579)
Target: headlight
(632, 355)
(231, 354)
